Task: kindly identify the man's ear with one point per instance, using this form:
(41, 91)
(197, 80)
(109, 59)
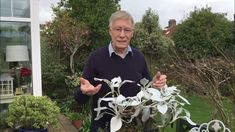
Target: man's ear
(109, 31)
(132, 34)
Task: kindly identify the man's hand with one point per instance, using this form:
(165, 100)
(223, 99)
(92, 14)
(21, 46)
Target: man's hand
(87, 88)
(159, 80)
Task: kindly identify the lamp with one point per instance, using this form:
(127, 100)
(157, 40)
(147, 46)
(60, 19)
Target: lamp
(17, 53)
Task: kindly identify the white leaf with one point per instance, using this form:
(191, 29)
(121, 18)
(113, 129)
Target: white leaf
(137, 111)
(185, 100)
(189, 120)
(111, 105)
(115, 82)
(147, 95)
(135, 103)
(187, 113)
(98, 79)
(140, 94)
(162, 108)
(100, 108)
(115, 124)
(144, 81)
(154, 91)
(178, 111)
(119, 99)
(156, 98)
(107, 99)
(172, 88)
(156, 95)
(106, 81)
(166, 117)
(146, 114)
(100, 116)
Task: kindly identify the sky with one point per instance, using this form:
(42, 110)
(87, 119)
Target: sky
(166, 9)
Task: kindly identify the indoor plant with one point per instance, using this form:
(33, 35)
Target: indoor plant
(31, 113)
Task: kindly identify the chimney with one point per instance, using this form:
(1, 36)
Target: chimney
(171, 23)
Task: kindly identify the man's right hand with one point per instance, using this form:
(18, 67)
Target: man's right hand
(87, 88)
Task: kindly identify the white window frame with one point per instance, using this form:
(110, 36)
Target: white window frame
(35, 44)
(36, 48)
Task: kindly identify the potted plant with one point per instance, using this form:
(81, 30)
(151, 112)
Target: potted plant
(30, 113)
(75, 118)
(3, 124)
(147, 104)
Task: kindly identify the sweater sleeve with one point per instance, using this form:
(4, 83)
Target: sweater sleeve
(145, 71)
(80, 97)
(89, 74)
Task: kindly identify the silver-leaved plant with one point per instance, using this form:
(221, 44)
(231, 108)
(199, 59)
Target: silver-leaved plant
(147, 103)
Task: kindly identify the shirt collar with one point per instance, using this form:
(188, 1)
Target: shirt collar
(111, 50)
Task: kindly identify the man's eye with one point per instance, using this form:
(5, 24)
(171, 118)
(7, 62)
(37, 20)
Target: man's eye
(127, 30)
(118, 29)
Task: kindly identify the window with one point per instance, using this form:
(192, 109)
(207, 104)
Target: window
(15, 8)
(5, 8)
(19, 21)
(16, 34)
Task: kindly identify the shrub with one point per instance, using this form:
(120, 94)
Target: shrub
(32, 112)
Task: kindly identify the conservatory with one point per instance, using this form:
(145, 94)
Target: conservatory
(20, 61)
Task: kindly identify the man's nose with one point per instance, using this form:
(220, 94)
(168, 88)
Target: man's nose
(122, 33)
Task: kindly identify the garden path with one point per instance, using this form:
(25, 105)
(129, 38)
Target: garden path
(64, 125)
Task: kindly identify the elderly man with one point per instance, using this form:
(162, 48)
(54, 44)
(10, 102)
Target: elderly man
(116, 59)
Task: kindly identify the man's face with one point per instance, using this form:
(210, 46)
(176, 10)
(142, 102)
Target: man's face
(121, 33)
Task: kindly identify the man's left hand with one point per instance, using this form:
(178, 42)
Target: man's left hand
(159, 80)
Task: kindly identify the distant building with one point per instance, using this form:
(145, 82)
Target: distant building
(170, 29)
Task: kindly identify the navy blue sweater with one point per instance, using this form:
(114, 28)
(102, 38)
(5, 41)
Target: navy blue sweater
(101, 65)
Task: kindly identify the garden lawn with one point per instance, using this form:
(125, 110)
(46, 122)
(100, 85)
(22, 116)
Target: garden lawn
(201, 110)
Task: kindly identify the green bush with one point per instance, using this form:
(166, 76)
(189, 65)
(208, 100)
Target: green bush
(73, 81)
(203, 34)
(86, 123)
(67, 104)
(32, 112)
(74, 116)
(3, 123)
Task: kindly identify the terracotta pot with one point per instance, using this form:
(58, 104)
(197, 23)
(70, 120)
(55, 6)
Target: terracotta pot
(128, 130)
(136, 130)
(7, 130)
(77, 123)
(32, 130)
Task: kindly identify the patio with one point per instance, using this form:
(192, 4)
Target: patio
(64, 126)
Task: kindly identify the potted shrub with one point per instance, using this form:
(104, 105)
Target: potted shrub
(30, 113)
(3, 124)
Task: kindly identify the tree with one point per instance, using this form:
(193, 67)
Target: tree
(79, 26)
(148, 35)
(95, 14)
(200, 58)
(149, 39)
(67, 32)
(203, 33)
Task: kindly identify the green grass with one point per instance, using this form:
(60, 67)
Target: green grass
(201, 110)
